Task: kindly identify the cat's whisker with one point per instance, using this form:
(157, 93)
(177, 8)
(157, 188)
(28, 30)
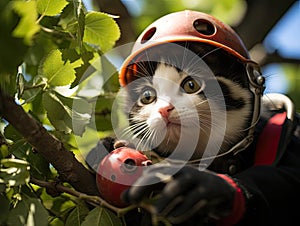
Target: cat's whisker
(144, 140)
(192, 64)
(135, 130)
(127, 133)
(184, 55)
(210, 52)
(132, 127)
(153, 139)
(201, 103)
(140, 131)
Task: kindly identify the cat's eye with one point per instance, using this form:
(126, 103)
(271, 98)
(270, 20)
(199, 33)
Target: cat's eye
(190, 85)
(148, 96)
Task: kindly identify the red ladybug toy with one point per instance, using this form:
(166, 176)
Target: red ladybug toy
(118, 171)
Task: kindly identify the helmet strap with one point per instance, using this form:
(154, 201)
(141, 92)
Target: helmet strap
(257, 87)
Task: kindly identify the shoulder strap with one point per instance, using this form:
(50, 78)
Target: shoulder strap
(276, 134)
(268, 141)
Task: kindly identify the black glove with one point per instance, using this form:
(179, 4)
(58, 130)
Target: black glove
(182, 192)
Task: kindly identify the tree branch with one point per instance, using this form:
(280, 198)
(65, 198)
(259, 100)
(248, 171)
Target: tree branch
(262, 57)
(69, 168)
(277, 58)
(56, 188)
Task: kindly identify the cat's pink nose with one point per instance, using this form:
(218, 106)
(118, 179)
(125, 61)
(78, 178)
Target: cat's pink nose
(166, 110)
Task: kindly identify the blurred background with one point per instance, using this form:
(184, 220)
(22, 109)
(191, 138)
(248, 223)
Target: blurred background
(270, 30)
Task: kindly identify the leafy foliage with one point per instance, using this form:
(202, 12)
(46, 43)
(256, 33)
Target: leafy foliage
(100, 216)
(50, 7)
(29, 211)
(47, 48)
(95, 32)
(56, 71)
(14, 172)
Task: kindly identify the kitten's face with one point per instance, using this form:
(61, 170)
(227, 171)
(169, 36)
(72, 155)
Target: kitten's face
(186, 111)
(168, 107)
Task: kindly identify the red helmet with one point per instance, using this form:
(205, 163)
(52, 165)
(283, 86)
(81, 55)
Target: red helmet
(193, 26)
(186, 26)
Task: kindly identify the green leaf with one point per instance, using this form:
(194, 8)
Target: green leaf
(4, 209)
(77, 216)
(56, 71)
(72, 55)
(81, 24)
(110, 75)
(14, 172)
(101, 30)
(51, 7)
(20, 84)
(39, 167)
(61, 205)
(3, 151)
(68, 19)
(27, 26)
(20, 149)
(10, 57)
(100, 216)
(32, 95)
(103, 112)
(29, 211)
(59, 115)
(8, 81)
(72, 20)
(11, 133)
(43, 44)
(56, 221)
(86, 68)
(67, 114)
(2, 188)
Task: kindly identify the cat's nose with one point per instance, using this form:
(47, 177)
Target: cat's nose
(166, 110)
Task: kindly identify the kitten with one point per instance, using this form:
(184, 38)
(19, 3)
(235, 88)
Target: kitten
(188, 102)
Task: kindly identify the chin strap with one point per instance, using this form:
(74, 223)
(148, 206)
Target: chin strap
(257, 87)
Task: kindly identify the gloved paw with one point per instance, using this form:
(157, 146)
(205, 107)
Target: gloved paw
(182, 192)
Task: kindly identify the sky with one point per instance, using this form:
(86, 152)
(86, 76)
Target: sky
(285, 38)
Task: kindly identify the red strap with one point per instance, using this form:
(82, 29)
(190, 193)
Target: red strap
(266, 148)
(239, 207)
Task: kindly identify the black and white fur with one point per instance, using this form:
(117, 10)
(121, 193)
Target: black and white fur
(164, 117)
